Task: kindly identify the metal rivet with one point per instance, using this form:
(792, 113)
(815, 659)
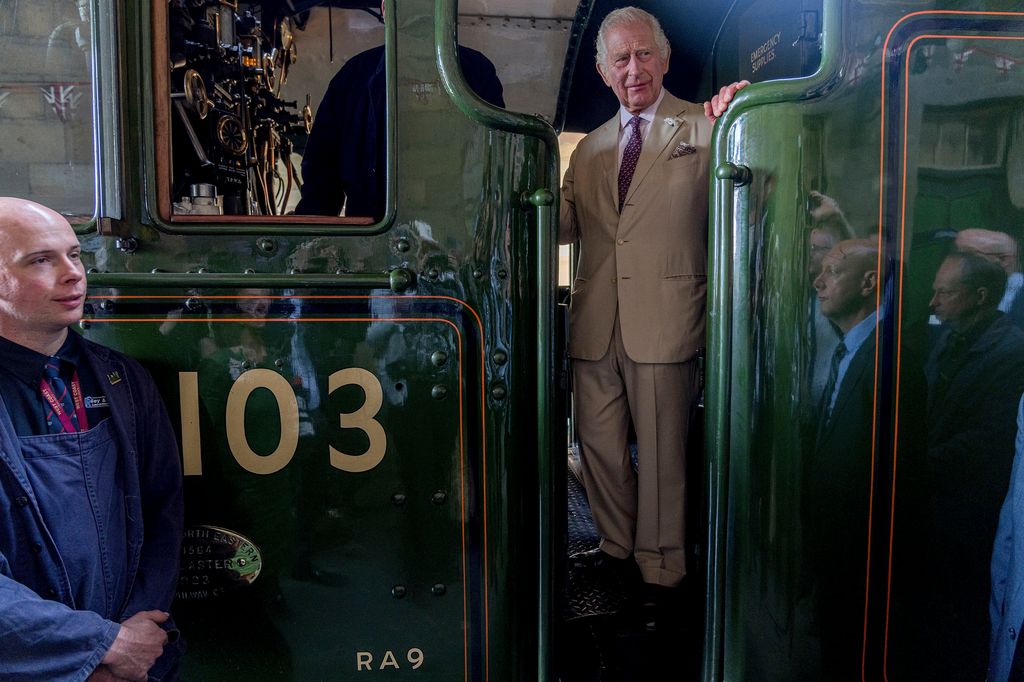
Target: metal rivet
(279, 363)
(439, 497)
(433, 273)
(107, 306)
(478, 274)
(398, 499)
(242, 562)
(439, 589)
(498, 391)
(266, 246)
(439, 358)
(294, 271)
(439, 392)
(398, 591)
(250, 271)
(500, 357)
(246, 364)
(202, 271)
(193, 305)
(92, 271)
(503, 273)
(83, 324)
(127, 244)
(401, 279)
(403, 245)
(155, 271)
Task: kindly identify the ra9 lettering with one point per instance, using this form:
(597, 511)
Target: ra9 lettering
(363, 419)
(367, 662)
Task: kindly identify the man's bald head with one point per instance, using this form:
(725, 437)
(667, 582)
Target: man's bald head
(995, 246)
(848, 284)
(16, 213)
(42, 280)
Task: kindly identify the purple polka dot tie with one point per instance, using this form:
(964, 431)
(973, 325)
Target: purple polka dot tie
(629, 159)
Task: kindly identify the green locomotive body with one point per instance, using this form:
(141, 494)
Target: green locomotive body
(372, 408)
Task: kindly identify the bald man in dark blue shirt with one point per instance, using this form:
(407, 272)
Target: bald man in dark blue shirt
(90, 478)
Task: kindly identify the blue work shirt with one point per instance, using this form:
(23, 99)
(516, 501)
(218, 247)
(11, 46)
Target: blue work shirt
(55, 623)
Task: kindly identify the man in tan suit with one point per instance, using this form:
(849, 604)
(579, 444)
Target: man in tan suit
(635, 196)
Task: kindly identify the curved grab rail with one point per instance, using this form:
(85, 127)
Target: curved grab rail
(728, 176)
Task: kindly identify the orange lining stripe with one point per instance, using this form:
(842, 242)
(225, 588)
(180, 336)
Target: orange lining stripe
(899, 319)
(483, 417)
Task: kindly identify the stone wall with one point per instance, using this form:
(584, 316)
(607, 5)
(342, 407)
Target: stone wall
(46, 148)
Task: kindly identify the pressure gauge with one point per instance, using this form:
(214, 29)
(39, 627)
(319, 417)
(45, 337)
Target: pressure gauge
(231, 135)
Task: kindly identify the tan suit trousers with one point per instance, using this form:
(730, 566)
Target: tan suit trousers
(637, 513)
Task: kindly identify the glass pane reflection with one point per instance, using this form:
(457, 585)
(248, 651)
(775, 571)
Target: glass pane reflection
(962, 232)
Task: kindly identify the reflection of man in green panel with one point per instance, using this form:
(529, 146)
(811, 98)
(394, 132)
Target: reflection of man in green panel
(1001, 248)
(975, 378)
(838, 474)
(90, 479)
(255, 387)
(828, 227)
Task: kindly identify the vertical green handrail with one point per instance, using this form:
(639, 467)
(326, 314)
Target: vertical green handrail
(543, 201)
(728, 177)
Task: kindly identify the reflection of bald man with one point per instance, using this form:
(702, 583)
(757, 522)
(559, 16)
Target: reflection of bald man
(828, 228)
(836, 502)
(1000, 248)
(846, 290)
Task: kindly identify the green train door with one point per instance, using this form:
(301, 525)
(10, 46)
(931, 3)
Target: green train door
(852, 540)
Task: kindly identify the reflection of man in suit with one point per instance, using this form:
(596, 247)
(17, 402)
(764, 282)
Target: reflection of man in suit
(975, 378)
(828, 228)
(343, 165)
(1000, 248)
(635, 196)
(838, 475)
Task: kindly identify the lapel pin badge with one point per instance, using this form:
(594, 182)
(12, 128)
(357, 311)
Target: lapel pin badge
(114, 378)
(671, 122)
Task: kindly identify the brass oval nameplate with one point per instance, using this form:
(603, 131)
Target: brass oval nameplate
(214, 561)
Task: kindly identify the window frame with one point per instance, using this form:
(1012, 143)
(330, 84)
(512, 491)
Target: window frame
(158, 157)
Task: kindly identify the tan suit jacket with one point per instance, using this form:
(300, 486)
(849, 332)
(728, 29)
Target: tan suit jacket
(650, 262)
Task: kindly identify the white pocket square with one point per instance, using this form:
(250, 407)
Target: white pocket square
(682, 149)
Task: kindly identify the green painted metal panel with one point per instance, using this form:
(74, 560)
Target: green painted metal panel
(437, 560)
(346, 447)
(861, 131)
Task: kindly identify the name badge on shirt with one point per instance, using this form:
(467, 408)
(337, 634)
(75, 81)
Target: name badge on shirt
(96, 401)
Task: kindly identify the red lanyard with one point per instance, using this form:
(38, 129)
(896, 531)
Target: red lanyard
(58, 409)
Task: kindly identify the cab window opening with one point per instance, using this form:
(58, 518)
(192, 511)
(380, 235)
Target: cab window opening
(278, 110)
